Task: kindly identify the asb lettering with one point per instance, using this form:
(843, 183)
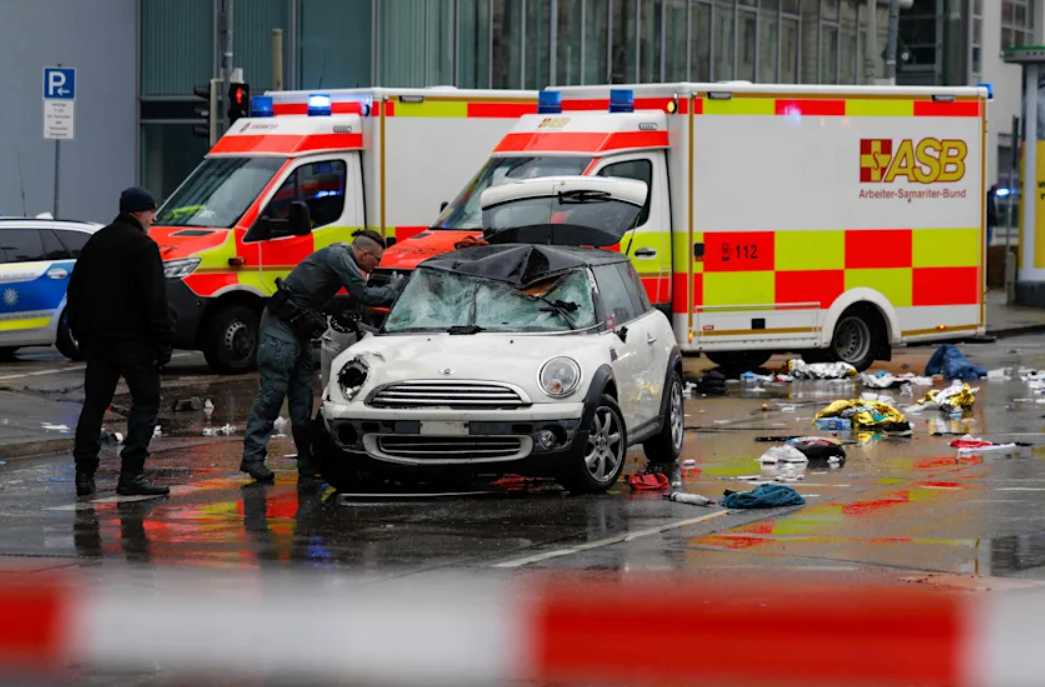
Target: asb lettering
(927, 161)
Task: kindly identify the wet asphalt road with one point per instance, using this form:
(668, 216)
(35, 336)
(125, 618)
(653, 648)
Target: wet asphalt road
(899, 511)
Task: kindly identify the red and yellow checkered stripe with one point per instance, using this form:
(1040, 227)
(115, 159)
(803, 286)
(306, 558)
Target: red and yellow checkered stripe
(761, 104)
(802, 269)
(433, 106)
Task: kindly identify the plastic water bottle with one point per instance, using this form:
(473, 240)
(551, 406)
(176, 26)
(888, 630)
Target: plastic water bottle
(692, 499)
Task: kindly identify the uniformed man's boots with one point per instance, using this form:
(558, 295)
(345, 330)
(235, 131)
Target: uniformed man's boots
(84, 483)
(133, 481)
(303, 442)
(257, 470)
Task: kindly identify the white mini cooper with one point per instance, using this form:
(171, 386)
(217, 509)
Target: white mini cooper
(516, 357)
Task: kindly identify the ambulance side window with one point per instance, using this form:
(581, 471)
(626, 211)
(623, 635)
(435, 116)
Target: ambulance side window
(321, 185)
(640, 170)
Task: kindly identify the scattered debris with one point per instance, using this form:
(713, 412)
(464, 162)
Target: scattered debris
(782, 454)
(692, 499)
(712, 383)
(689, 463)
(952, 364)
(227, 430)
(653, 482)
(800, 369)
(999, 375)
(157, 432)
(874, 415)
(953, 399)
(194, 404)
(970, 444)
(885, 380)
(819, 448)
(763, 496)
(208, 408)
(47, 426)
(110, 438)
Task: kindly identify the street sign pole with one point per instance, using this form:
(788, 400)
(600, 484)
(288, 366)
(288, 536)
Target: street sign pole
(59, 116)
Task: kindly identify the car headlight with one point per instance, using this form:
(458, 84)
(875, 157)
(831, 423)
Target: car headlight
(352, 377)
(560, 377)
(176, 269)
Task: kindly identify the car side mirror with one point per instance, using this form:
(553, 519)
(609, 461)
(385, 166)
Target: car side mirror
(442, 206)
(622, 333)
(300, 219)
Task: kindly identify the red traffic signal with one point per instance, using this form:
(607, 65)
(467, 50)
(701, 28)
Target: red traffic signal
(239, 101)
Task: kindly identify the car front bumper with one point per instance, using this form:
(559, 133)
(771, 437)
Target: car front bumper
(525, 440)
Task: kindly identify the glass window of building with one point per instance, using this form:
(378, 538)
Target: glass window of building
(1017, 23)
(625, 57)
(724, 41)
(169, 151)
(569, 39)
(507, 42)
(829, 54)
(676, 44)
(700, 40)
(768, 41)
(747, 52)
(334, 47)
(473, 52)
(596, 41)
(789, 47)
(538, 43)
(650, 33)
(849, 55)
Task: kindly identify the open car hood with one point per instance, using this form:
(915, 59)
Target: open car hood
(519, 265)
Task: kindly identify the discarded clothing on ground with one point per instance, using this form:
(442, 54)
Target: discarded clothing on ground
(953, 399)
(712, 383)
(819, 448)
(952, 364)
(799, 369)
(970, 444)
(886, 380)
(783, 454)
(763, 496)
(874, 415)
(654, 482)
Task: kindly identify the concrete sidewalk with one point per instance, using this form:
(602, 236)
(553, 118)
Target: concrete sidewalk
(1010, 320)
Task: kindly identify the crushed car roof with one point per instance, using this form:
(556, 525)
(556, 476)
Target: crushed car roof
(520, 264)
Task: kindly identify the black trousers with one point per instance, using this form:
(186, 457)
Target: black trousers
(106, 363)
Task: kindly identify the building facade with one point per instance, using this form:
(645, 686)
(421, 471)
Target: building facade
(136, 110)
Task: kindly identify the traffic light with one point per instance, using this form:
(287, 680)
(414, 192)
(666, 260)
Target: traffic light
(203, 111)
(239, 102)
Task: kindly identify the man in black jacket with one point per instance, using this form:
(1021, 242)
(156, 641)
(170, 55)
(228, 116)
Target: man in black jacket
(118, 312)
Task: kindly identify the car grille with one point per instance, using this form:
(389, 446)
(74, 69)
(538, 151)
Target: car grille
(452, 449)
(464, 395)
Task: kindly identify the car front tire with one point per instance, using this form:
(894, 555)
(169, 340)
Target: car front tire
(666, 445)
(598, 465)
(334, 465)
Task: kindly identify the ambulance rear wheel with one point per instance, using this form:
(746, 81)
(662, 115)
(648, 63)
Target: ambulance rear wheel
(740, 361)
(230, 340)
(857, 338)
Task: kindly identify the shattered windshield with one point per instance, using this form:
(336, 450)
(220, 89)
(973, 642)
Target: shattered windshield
(466, 212)
(435, 300)
(218, 192)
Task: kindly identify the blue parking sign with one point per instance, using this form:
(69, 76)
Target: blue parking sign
(59, 83)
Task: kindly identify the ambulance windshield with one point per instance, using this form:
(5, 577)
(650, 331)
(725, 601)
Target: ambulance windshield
(218, 192)
(466, 212)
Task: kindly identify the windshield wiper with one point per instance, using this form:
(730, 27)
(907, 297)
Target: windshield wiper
(580, 197)
(465, 329)
(561, 308)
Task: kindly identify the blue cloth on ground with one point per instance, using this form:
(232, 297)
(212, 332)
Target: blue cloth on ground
(764, 496)
(952, 364)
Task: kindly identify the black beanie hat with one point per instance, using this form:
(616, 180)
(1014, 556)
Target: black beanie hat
(136, 199)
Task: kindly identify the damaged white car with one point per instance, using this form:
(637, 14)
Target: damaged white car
(521, 356)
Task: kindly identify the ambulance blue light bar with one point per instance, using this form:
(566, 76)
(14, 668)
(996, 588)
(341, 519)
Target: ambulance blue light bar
(549, 102)
(261, 106)
(622, 100)
(990, 90)
(319, 105)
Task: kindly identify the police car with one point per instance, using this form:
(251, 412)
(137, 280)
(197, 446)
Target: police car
(37, 256)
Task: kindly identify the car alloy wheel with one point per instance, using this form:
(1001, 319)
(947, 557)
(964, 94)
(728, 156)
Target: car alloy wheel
(605, 449)
(676, 416)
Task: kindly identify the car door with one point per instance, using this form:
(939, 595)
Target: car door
(32, 287)
(327, 186)
(653, 335)
(628, 356)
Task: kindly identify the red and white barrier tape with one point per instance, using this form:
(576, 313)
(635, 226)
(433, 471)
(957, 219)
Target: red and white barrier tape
(491, 631)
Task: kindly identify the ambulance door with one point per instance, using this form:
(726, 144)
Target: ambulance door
(331, 186)
(649, 244)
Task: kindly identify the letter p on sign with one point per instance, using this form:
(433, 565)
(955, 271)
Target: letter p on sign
(59, 83)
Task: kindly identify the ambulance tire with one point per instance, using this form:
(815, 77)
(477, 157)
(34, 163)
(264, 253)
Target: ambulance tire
(230, 340)
(740, 361)
(65, 342)
(858, 337)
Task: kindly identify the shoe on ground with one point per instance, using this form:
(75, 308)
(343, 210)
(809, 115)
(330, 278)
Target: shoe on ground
(85, 483)
(258, 471)
(139, 485)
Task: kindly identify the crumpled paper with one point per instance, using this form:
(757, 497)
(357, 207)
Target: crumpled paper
(950, 400)
(799, 369)
(863, 414)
